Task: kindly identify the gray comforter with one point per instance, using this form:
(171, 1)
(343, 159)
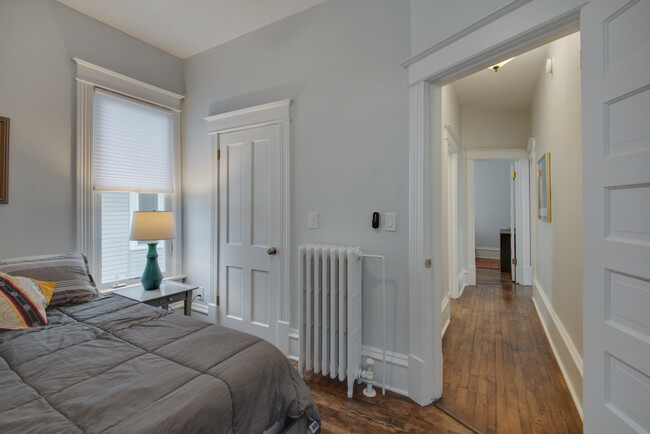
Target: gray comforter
(114, 365)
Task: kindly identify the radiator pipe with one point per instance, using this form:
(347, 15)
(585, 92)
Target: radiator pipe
(383, 348)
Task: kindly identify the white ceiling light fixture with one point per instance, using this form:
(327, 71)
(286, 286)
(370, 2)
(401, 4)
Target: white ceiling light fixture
(496, 67)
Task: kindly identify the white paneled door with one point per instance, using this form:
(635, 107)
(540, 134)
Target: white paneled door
(249, 230)
(616, 186)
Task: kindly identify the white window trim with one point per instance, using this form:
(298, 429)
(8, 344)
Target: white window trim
(89, 77)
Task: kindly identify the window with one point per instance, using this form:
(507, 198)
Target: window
(121, 258)
(127, 155)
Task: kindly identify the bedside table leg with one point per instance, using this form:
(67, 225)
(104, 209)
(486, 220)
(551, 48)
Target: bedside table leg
(188, 305)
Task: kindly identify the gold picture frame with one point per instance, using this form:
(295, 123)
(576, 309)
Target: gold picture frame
(4, 160)
(544, 187)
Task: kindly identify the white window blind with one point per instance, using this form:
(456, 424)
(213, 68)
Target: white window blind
(132, 145)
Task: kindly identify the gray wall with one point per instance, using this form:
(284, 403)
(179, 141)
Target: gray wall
(340, 62)
(491, 201)
(38, 93)
(434, 20)
(495, 128)
(556, 120)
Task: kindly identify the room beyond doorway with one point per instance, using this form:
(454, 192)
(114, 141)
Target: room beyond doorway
(489, 129)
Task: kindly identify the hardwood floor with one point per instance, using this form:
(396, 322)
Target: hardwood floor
(499, 371)
(381, 414)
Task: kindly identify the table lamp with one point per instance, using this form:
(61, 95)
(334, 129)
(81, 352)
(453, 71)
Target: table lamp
(152, 226)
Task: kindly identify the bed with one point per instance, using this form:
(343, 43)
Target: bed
(110, 364)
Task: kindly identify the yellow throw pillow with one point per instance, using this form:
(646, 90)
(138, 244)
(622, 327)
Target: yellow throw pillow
(23, 301)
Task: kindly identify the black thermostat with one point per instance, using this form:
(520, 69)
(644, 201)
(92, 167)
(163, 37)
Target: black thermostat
(375, 220)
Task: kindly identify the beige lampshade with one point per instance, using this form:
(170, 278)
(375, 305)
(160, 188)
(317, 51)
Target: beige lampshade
(152, 226)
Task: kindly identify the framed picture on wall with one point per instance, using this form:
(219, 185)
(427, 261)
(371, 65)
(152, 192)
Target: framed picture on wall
(4, 160)
(544, 187)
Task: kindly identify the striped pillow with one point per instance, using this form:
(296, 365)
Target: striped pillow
(74, 284)
(23, 302)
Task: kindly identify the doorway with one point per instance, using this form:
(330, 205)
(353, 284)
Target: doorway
(614, 82)
(250, 224)
(495, 331)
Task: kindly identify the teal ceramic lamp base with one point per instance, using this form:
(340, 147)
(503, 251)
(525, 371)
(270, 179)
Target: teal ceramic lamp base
(151, 277)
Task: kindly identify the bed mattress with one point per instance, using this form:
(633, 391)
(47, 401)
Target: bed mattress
(115, 365)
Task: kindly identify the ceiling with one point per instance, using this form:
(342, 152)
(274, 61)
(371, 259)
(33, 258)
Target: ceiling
(511, 87)
(187, 27)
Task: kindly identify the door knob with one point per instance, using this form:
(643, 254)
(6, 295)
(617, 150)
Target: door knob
(272, 251)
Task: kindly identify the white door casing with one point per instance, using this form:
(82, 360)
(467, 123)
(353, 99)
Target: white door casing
(520, 191)
(522, 197)
(513, 225)
(263, 134)
(452, 145)
(616, 215)
(249, 217)
(515, 28)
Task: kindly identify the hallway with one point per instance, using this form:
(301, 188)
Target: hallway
(500, 374)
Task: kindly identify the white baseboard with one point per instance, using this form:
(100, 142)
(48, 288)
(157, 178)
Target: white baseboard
(471, 274)
(527, 275)
(201, 308)
(565, 352)
(284, 329)
(463, 276)
(446, 314)
(396, 364)
(487, 252)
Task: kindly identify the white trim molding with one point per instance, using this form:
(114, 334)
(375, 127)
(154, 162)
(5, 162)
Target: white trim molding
(487, 252)
(424, 281)
(275, 113)
(462, 281)
(564, 349)
(260, 114)
(496, 154)
(506, 9)
(116, 82)
(396, 364)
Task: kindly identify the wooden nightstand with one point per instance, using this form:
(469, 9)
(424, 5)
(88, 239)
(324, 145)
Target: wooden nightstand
(169, 292)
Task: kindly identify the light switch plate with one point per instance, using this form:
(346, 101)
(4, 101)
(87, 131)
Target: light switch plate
(390, 221)
(313, 220)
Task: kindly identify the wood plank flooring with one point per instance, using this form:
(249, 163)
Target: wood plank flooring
(381, 414)
(500, 374)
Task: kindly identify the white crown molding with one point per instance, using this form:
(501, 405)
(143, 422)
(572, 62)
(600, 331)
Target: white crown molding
(247, 117)
(504, 10)
(116, 82)
(496, 154)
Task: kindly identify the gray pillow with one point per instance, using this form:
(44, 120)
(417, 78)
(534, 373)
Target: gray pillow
(74, 284)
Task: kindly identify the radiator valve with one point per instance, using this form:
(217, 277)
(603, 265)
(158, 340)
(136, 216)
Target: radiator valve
(368, 375)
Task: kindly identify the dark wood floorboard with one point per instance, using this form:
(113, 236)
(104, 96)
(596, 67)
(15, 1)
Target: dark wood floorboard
(500, 374)
(382, 414)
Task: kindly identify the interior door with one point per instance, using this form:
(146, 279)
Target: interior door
(249, 230)
(616, 214)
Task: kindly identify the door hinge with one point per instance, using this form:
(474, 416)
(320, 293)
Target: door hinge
(217, 300)
(514, 261)
(218, 154)
(514, 175)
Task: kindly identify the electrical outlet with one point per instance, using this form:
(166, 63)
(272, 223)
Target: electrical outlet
(198, 293)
